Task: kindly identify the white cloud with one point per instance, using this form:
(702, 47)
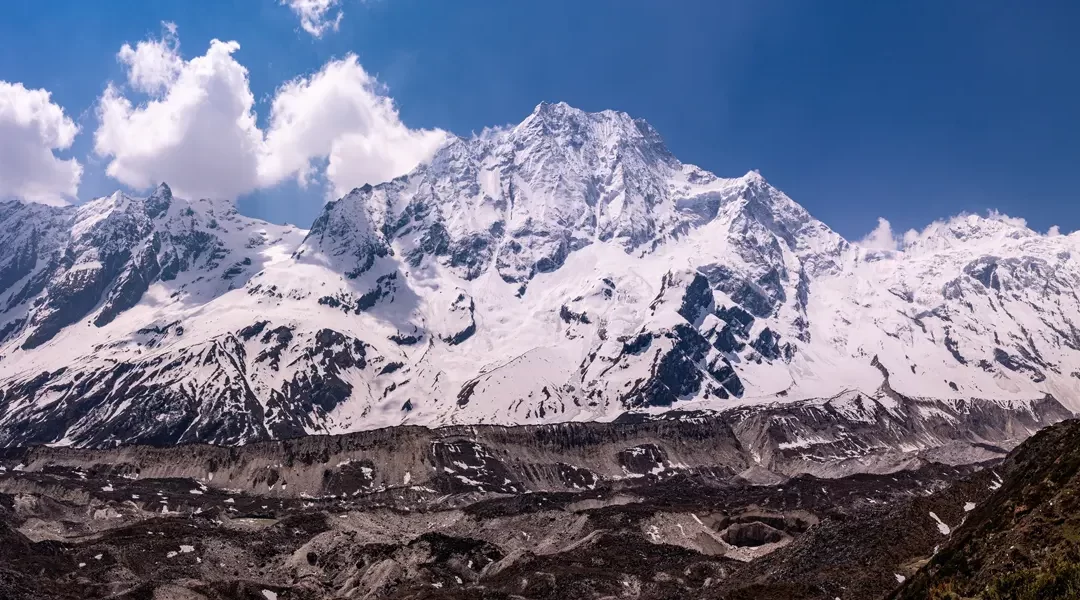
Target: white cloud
(316, 16)
(198, 129)
(199, 133)
(994, 215)
(32, 127)
(154, 65)
(1054, 231)
(881, 238)
(341, 115)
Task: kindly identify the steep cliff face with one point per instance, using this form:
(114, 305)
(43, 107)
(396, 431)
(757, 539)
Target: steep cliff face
(567, 268)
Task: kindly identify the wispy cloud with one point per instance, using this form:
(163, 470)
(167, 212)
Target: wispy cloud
(316, 16)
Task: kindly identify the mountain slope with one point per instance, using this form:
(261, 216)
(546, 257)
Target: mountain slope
(567, 268)
(1022, 541)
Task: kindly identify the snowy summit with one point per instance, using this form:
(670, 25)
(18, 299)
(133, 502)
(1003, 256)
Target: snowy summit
(567, 268)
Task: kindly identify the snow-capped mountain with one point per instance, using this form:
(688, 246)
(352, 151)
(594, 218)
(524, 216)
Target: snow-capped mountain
(567, 268)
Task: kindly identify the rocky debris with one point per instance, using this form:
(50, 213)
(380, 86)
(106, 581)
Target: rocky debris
(838, 437)
(88, 531)
(752, 534)
(464, 466)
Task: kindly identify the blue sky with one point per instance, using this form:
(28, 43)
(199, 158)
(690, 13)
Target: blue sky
(911, 111)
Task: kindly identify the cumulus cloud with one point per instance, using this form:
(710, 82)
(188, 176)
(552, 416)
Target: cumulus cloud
(341, 115)
(153, 65)
(199, 133)
(881, 238)
(198, 129)
(32, 128)
(316, 16)
(1054, 231)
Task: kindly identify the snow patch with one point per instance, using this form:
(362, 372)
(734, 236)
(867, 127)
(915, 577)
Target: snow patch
(942, 527)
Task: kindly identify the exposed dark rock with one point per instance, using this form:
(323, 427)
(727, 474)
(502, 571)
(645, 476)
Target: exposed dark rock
(675, 374)
(472, 254)
(1014, 363)
(767, 344)
(72, 297)
(390, 368)
(466, 392)
(253, 330)
(697, 301)
(465, 308)
(279, 338)
(724, 373)
(954, 348)
(740, 320)
(638, 344)
(759, 298)
(159, 202)
(22, 262)
(330, 301)
(405, 340)
(984, 270)
(10, 328)
(569, 316)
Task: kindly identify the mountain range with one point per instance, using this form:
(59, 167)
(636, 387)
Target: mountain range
(568, 268)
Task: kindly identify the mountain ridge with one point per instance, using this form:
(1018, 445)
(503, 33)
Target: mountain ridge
(567, 268)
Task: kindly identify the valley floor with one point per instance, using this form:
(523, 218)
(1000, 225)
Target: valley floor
(82, 528)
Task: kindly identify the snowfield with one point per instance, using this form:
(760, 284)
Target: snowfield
(567, 268)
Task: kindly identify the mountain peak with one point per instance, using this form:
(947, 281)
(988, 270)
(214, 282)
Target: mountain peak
(993, 227)
(754, 176)
(564, 128)
(158, 202)
(162, 191)
(572, 241)
(551, 107)
(344, 232)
